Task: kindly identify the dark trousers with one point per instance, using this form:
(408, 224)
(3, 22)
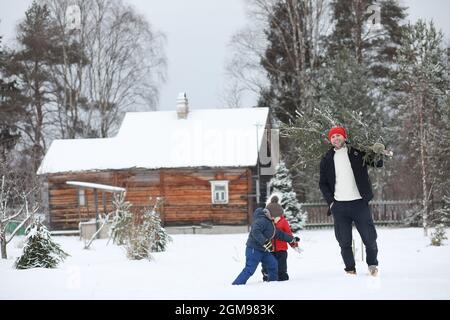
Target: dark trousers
(281, 257)
(357, 211)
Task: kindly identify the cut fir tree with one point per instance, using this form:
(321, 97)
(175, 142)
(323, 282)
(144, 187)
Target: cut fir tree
(40, 250)
(310, 135)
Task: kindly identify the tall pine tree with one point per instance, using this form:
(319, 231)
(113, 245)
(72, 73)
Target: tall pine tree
(11, 108)
(30, 66)
(372, 32)
(291, 61)
(285, 62)
(370, 29)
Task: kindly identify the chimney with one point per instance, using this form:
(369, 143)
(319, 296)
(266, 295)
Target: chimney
(182, 106)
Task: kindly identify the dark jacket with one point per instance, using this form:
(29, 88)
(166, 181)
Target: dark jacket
(328, 174)
(263, 230)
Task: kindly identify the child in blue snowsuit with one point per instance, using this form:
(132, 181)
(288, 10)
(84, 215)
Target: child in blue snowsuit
(259, 246)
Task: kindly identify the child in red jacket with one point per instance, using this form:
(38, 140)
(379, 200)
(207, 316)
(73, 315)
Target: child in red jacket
(279, 247)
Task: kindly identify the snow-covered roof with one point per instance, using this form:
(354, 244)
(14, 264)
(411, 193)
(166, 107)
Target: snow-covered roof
(159, 139)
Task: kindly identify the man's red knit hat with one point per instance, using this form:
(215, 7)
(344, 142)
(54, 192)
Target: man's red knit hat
(334, 130)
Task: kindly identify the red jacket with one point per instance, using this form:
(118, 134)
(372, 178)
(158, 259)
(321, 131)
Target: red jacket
(283, 225)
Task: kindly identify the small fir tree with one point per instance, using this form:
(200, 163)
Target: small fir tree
(438, 235)
(40, 251)
(147, 236)
(141, 238)
(413, 216)
(161, 238)
(122, 219)
(281, 184)
(138, 243)
(440, 220)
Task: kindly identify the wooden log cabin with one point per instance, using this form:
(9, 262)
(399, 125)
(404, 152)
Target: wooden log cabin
(202, 162)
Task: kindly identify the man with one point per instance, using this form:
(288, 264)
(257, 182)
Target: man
(346, 187)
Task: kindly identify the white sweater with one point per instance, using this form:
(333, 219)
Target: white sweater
(345, 188)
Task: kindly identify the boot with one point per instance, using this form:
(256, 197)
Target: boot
(350, 271)
(373, 271)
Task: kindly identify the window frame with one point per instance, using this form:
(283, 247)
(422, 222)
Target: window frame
(222, 183)
(81, 194)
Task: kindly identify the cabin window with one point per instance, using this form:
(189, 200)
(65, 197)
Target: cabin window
(219, 192)
(81, 197)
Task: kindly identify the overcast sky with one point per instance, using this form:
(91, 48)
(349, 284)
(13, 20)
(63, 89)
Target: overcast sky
(198, 32)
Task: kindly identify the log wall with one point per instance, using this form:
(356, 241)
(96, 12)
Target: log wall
(186, 195)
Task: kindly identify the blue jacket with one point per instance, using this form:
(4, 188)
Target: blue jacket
(263, 230)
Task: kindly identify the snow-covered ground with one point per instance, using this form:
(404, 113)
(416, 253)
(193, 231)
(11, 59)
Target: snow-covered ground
(203, 267)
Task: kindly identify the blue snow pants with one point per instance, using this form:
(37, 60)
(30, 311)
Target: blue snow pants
(252, 258)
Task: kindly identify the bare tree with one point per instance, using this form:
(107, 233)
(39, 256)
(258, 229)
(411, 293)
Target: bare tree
(126, 62)
(113, 62)
(232, 95)
(243, 70)
(14, 205)
(68, 69)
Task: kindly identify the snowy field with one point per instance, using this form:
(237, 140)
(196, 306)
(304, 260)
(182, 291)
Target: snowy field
(203, 267)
